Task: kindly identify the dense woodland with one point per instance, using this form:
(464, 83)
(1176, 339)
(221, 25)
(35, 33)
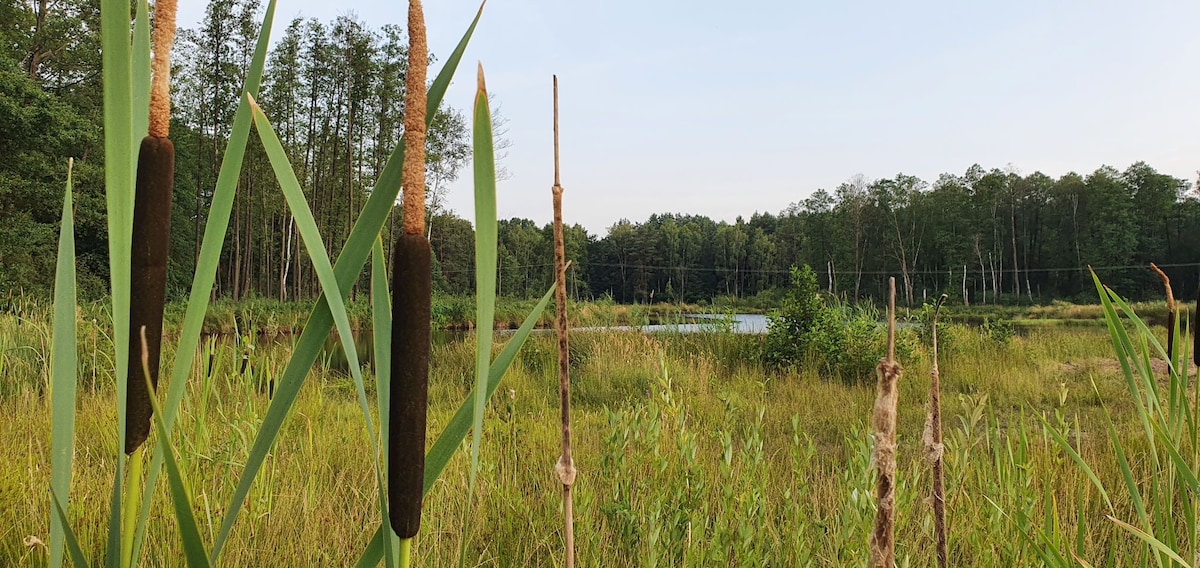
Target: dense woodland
(334, 91)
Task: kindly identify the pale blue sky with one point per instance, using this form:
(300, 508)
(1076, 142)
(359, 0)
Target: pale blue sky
(674, 106)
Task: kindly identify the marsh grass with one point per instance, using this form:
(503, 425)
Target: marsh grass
(657, 465)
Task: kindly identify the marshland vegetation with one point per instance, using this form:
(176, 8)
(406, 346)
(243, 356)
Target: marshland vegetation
(694, 451)
(1052, 444)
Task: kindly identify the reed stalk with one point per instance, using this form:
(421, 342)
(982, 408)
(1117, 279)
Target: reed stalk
(565, 468)
(887, 373)
(411, 315)
(935, 449)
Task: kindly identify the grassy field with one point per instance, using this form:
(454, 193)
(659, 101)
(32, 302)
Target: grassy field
(690, 453)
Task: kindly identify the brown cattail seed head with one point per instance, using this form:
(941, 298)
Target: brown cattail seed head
(411, 316)
(148, 279)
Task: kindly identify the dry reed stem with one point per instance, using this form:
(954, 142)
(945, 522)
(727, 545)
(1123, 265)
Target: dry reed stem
(1170, 312)
(413, 174)
(565, 468)
(934, 449)
(160, 88)
(882, 543)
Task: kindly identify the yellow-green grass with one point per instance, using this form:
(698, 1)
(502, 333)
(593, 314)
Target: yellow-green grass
(805, 496)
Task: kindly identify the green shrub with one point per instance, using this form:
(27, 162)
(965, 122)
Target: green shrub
(834, 339)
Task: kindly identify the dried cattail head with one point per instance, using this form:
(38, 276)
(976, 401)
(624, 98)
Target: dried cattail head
(415, 101)
(160, 88)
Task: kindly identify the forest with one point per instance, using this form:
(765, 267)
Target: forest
(335, 93)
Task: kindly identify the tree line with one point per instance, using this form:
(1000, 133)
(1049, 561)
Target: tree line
(335, 91)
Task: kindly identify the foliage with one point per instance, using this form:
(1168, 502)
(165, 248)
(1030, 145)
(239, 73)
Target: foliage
(835, 339)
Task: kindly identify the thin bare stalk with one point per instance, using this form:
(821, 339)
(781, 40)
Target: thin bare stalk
(887, 373)
(934, 449)
(1170, 312)
(566, 464)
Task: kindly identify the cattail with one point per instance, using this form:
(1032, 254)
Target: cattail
(934, 449)
(411, 287)
(1170, 312)
(151, 234)
(566, 464)
(882, 543)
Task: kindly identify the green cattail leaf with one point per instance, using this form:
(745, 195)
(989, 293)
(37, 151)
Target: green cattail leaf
(347, 269)
(309, 233)
(1149, 539)
(185, 516)
(73, 547)
(63, 373)
(1078, 459)
(381, 322)
(141, 72)
(485, 263)
(456, 430)
(215, 230)
(1124, 348)
(120, 164)
(1135, 495)
(374, 551)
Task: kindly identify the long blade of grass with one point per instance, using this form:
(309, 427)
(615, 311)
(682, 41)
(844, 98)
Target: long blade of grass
(63, 372)
(141, 74)
(456, 430)
(1078, 459)
(215, 229)
(374, 551)
(1135, 496)
(77, 556)
(485, 265)
(185, 516)
(120, 164)
(347, 269)
(311, 236)
(1149, 539)
(1123, 348)
(381, 321)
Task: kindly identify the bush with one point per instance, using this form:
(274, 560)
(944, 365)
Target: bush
(836, 340)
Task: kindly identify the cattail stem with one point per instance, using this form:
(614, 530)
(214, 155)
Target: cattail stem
(566, 464)
(1170, 312)
(411, 315)
(882, 542)
(151, 235)
(934, 449)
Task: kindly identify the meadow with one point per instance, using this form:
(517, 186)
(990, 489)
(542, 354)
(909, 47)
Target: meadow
(690, 451)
